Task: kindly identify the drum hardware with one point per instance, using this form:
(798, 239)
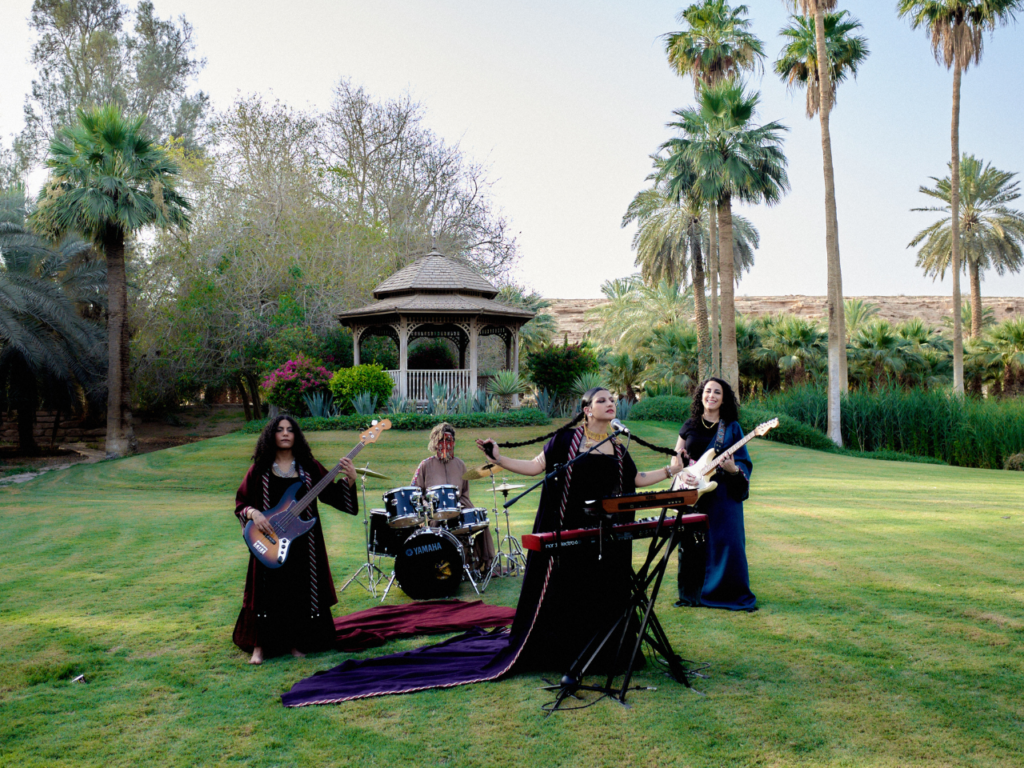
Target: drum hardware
(443, 501)
(514, 558)
(370, 473)
(479, 473)
(374, 575)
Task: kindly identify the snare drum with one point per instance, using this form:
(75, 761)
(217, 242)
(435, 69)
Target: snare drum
(385, 541)
(429, 564)
(444, 499)
(469, 521)
(404, 507)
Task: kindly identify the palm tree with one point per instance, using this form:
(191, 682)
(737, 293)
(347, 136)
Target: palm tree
(541, 329)
(635, 308)
(716, 44)
(47, 349)
(724, 156)
(107, 181)
(625, 374)
(856, 312)
(956, 28)
(796, 345)
(673, 356)
(812, 39)
(881, 355)
(670, 227)
(1006, 343)
(991, 234)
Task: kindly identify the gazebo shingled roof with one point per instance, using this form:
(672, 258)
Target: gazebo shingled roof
(435, 272)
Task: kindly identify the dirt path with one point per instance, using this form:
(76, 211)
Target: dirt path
(153, 434)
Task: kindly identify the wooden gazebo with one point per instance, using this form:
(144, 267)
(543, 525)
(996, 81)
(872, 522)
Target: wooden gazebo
(437, 297)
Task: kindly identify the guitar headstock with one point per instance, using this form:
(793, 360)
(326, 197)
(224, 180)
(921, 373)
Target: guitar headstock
(371, 435)
(762, 429)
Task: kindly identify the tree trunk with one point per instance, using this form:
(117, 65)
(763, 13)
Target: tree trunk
(254, 391)
(24, 398)
(700, 304)
(244, 396)
(716, 359)
(120, 434)
(730, 364)
(958, 339)
(836, 332)
(976, 307)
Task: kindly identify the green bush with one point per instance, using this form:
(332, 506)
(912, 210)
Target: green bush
(662, 408)
(1015, 463)
(348, 383)
(522, 417)
(555, 367)
(789, 432)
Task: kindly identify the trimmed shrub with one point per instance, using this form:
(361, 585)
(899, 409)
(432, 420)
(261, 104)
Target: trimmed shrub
(790, 431)
(1015, 462)
(522, 417)
(556, 367)
(285, 386)
(662, 408)
(348, 383)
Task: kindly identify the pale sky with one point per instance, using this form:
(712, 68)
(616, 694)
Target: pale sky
(564, 100)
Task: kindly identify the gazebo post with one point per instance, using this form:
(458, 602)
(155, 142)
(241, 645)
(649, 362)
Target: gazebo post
(403, 357)
(515, 359)
(474, 337)
(357, 333)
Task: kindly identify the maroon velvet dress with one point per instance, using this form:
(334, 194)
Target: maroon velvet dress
(290, 607)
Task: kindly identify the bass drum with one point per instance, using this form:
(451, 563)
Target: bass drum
(429, 564)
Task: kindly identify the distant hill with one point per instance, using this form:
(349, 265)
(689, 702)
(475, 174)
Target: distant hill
(569, 313)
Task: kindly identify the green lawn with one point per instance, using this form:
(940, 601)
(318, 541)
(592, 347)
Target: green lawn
(890, 632)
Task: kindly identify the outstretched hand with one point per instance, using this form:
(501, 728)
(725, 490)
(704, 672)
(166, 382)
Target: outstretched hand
(495, 454)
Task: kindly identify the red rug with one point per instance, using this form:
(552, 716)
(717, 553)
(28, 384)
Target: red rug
(375, 626)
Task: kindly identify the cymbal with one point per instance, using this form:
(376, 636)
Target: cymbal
(507, 487)
(371, 473)
(480, 472)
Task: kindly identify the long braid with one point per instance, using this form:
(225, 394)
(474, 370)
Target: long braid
(655, 448)
(564, 428)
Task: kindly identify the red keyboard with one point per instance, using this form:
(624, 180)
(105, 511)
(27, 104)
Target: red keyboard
(581, 538)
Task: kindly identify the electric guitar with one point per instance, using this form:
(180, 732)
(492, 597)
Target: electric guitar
(704, 468)
(285, 518)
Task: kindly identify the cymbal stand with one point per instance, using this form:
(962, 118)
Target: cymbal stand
(374, 575)
(514, 559)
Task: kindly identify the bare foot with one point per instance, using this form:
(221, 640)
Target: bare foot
(257, 655)
(298, 654)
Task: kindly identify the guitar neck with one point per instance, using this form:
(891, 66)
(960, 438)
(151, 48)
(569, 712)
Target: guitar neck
(728, 452)
(317, 489)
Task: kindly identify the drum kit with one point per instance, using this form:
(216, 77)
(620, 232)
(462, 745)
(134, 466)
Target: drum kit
(429, 535)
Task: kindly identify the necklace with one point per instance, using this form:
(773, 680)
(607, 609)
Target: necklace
(705, 423)
(289, 473)
(593, 437)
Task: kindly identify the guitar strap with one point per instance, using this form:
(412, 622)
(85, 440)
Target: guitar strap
(720, 437)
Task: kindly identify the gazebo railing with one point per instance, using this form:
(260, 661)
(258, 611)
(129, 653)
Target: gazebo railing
(422, 381)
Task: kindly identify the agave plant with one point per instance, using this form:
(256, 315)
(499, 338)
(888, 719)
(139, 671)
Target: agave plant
(588, 381)
(546, 403)
(398, 404)
(321, 405)
(365, 403)
(505, 385)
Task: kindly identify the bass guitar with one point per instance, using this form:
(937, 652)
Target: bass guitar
(704, 468)
(286, 518)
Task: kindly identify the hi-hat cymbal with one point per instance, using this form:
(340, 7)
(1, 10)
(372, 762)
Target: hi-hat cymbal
(480, 472)
(371, 473)
(507, 487)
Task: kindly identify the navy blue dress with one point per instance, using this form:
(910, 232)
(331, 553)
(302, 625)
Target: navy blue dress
(726, 580)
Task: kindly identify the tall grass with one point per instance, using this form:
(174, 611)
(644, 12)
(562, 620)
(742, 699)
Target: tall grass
(963, 431)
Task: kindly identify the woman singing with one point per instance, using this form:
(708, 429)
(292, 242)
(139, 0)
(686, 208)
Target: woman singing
(288, 608)
(713, 423)
(564, 603)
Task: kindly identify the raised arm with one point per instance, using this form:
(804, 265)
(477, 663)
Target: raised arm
(529, 467)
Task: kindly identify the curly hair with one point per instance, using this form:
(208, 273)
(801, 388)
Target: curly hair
(266, 445)
(728, 412)
(436, 432)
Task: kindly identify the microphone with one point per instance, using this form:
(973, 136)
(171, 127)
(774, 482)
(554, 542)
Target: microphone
(618, 426)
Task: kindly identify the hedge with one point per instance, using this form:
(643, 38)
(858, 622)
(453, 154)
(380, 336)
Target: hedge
(521, 417)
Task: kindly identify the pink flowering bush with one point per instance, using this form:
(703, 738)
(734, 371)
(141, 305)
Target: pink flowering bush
(285, 386)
